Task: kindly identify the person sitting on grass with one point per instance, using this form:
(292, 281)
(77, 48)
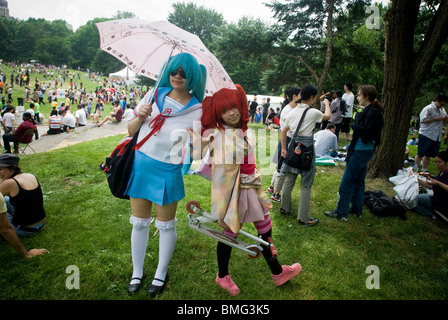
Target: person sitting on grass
(428, 204)
(326, 142)
(81, 116)
(10, 235)
(19, 218)
(68, 120)
(115, 116)
(54, 123)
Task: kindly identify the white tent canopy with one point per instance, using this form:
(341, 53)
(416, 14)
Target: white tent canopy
(123, 74)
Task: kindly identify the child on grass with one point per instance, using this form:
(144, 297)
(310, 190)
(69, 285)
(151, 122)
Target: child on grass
(237, 196)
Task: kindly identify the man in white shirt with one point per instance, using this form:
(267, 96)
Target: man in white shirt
(325, 140)
(432, 119)
(9, 117)
(349, 99)
(129, 113)
(32, 110)
(68, 121)
(81, 116)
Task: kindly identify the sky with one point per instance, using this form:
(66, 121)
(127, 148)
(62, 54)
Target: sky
(78, 12)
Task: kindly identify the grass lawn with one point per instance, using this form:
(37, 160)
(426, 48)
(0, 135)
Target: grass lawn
(88, 230)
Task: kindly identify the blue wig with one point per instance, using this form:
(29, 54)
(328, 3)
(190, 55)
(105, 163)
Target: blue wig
(196, 74)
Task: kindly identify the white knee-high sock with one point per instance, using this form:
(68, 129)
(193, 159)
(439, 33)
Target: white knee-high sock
(139, 242)
(167, 243)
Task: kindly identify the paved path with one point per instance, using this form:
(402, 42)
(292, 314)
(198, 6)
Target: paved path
(80, 134)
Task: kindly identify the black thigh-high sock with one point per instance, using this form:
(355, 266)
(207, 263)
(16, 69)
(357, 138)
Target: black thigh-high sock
(272, 262)
(223, 251)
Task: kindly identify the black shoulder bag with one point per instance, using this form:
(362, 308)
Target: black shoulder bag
(300, 156)
(118, 166)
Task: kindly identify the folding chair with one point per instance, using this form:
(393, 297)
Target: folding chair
(25, 137)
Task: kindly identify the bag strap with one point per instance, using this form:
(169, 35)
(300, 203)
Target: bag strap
(300, 122)
(157, 122)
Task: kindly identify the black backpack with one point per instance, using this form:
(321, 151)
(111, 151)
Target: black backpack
(343, 107)
(383, 206)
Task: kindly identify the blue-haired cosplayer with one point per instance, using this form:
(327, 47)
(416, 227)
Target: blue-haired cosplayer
(159, 158)
(157, 169)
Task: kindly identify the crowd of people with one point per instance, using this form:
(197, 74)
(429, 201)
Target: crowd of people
(71, 104)
(236, 194)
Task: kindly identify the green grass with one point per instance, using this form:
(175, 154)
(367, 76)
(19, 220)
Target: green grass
(88, 228)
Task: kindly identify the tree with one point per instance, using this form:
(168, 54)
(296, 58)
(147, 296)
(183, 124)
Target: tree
(8, 29)
(203, 22)
(308, 20)
(358, 54)
(52, 50)
(225, 40)
(244, 51)
(408, 59)
(85, 44)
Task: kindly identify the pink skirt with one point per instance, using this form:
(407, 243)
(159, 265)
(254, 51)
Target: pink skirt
(250, 208)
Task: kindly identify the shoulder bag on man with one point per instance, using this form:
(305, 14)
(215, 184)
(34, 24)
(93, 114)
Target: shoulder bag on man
(300, 156)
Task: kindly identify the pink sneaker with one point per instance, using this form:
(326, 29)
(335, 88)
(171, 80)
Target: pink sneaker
(288, 273)
(227, 284)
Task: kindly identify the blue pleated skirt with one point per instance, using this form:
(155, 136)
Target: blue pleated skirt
(158, 182)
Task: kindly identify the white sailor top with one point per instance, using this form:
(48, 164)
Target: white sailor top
(168, 123)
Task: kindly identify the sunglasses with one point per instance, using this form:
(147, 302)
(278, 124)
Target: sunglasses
(181, 73)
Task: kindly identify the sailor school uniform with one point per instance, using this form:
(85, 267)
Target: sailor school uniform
(157, 169)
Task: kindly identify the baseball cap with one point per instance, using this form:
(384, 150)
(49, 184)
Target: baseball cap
(8, 159)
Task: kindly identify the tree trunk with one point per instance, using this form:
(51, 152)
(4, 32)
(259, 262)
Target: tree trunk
(329, 54)
(404, 73)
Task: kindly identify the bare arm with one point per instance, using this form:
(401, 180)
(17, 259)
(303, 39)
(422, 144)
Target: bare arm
(283, 141)
(441, 118)
(10, 235)
(143, 113)
(433, 182)
(327, 113)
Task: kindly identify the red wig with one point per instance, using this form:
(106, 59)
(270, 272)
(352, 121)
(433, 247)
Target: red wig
(220, 102)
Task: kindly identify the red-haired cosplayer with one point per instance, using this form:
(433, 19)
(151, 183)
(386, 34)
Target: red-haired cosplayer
(237, 196)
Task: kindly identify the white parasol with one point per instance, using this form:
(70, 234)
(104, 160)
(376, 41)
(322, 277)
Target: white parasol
(145, 47)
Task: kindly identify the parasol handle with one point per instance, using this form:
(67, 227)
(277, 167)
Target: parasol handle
(163, 71)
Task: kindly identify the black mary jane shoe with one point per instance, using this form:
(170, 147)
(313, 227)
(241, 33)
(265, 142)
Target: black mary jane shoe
(134, 288)
(154, 290)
